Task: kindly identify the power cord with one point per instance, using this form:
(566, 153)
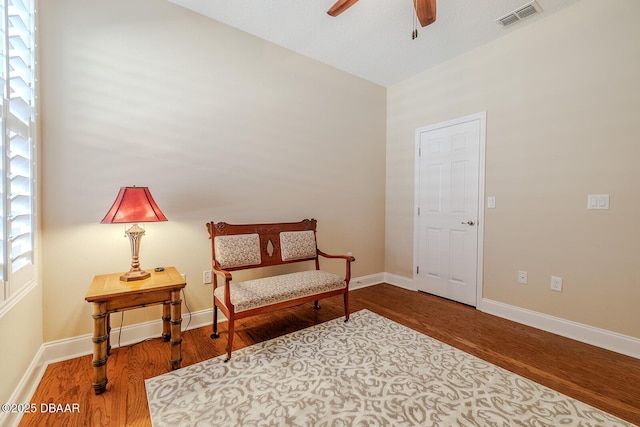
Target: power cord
(184, 298)
(186, 305)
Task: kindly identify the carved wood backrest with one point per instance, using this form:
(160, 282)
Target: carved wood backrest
(241, 246)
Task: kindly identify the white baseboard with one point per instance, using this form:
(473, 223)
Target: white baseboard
(364, 281)
(82, 345)
(400, 281)
(69, 348)
(613, 341)
(25, 389)
(602, 338)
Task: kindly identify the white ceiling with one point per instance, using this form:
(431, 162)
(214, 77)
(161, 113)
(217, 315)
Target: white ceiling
(372, 39)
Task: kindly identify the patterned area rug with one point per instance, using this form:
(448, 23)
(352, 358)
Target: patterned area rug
(369, 371)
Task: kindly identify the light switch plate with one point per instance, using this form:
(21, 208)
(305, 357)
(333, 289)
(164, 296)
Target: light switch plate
(598, 201)
(491, 202)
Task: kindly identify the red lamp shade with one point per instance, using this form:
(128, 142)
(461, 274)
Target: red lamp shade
(133, 204)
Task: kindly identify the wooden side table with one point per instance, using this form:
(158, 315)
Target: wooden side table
(109, 295)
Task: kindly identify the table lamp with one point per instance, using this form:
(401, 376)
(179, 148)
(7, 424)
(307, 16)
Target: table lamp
(134, 205)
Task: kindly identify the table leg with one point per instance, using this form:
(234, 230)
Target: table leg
(176, 322)
(100, 338)
(166, 317)
(108, 334)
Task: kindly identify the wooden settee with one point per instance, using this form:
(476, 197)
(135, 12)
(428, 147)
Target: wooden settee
(243, 246)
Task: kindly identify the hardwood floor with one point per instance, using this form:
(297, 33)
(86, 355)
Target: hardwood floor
(598, 377)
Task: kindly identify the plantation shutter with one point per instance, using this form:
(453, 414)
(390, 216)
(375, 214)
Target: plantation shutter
(18, 128)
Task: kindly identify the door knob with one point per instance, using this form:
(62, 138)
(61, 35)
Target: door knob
(470, 222)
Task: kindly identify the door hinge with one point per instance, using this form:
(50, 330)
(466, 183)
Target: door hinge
(418, 270)
(418, 211)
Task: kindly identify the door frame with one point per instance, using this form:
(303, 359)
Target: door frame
(482, 117)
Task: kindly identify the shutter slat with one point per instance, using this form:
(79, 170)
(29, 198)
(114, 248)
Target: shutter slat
(17, 106)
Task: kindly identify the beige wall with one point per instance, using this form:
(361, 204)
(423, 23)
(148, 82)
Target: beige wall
(219, 124)
(562, 97)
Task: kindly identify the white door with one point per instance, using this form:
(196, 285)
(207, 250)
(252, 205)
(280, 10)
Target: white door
(449, 174)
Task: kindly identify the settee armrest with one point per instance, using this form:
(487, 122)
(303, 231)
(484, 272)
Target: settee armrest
(348, 260)
(226, 275)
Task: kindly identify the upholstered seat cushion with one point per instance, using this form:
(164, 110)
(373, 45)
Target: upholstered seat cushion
(272, 290)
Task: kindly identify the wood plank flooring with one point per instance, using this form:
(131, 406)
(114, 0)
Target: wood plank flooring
(598, 377)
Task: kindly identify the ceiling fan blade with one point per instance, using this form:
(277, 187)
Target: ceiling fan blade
(426, 11)
(340, 6)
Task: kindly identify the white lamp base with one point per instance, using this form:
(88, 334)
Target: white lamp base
(132, 275)
(135, 233)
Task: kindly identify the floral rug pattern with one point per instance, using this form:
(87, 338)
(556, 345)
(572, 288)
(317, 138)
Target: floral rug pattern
(369, 371)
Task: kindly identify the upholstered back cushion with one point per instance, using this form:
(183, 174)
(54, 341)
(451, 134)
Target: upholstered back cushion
(297, 245)
(238, 250)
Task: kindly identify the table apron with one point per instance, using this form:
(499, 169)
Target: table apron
(127, 302)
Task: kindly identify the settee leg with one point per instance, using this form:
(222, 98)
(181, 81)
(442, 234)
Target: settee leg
(346, 307)
(215, 333)
(316, 306)
(231, 324)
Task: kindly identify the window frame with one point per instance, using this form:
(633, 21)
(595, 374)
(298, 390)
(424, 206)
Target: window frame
(18, 150)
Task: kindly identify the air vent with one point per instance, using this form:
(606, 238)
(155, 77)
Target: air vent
(519, 14)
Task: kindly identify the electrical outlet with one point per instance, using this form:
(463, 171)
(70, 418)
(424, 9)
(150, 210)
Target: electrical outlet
(556, 283)
(207, 277)
(522, 277)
